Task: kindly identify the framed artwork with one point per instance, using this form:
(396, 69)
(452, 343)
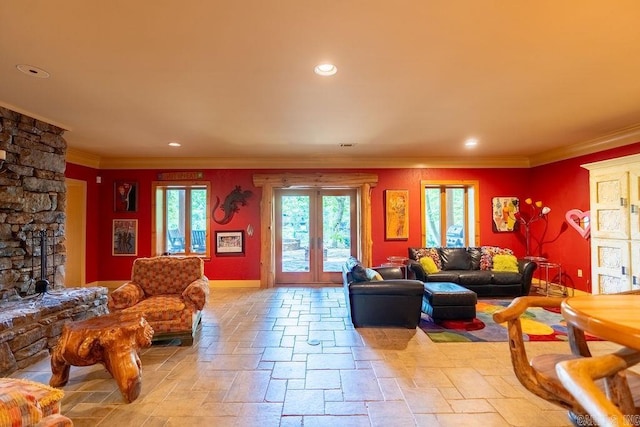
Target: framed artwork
(229, 243)
(504, 213)
(396, 209)
(125, 196)
(125, 237)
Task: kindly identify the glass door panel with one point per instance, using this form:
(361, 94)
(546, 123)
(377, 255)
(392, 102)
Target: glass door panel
(315, 230)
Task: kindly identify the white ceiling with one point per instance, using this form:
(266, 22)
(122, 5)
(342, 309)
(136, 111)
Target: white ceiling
(234, 79)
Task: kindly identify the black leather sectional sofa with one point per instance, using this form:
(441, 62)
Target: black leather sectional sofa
(472, 268)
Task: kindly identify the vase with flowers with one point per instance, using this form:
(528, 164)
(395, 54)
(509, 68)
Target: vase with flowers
(536, 212)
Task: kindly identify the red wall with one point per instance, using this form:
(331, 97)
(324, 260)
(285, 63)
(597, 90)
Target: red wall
(562, 186)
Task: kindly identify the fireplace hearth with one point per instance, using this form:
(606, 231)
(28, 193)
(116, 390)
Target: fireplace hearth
(31, 326)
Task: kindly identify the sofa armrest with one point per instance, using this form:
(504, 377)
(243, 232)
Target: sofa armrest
(418, 271)
(526, 268)
(197, 292)
(125, 296)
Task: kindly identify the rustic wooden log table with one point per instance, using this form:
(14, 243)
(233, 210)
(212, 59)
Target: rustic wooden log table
(112, 340)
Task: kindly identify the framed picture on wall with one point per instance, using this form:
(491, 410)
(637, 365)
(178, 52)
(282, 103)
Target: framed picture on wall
(125, 196)
(396, 209)
(229, 243)
(504, 213)
(125, 237)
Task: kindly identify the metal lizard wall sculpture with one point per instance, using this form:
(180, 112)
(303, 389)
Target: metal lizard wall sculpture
(231, 204)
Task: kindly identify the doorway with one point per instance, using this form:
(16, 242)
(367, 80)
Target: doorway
(75, 233)
(316, 231)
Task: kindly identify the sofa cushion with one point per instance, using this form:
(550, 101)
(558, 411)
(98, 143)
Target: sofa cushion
(444, 276)
(488, 252)
(475, 277)
(429, 265)
(455, 259)
(508, 263)
(506, 278)
(476, 255)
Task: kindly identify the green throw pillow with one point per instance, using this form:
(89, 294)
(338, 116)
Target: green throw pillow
(428, 264)
(508, 263)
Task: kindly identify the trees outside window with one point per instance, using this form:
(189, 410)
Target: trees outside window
(181, 212)
(450, 213)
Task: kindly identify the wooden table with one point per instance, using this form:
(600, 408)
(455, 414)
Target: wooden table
(613, 318)
(112, 340)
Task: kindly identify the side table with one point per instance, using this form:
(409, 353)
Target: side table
(552, 288)
(112, 340)
(538, 260)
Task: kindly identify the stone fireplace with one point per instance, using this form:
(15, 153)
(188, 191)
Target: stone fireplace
(32, 209)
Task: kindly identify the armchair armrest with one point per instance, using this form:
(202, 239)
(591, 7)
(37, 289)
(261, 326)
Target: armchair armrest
(197, 292)
(125, 296)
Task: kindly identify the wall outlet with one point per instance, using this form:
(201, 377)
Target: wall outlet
(579, 273)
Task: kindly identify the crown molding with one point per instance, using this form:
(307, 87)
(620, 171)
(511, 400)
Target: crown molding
(82, 158)
(308, 163)
(620, 138)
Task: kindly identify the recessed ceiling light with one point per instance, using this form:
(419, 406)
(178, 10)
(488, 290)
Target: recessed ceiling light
(32, 71)
(175, 144)
(325, 69)
(471, 142)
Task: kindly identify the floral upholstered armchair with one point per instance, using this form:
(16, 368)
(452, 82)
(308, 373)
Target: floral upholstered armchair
(170, 293)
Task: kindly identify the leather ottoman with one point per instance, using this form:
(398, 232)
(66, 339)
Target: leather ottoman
(448, 301)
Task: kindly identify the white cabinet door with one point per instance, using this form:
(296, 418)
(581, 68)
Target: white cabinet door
(635, 265)
(610, 205)
(610, 266)
(634, 204)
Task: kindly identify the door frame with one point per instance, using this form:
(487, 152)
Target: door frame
(362, 182)
(76, 191)
(316, 273)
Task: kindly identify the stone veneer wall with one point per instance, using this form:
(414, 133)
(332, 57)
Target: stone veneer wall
(32, 199)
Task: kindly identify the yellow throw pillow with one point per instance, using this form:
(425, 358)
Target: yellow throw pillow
(373, 275)
(508, 263)
(428, 264)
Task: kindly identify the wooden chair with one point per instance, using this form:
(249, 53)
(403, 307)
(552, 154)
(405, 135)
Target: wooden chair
(578, 376)
(198, 240)
(538, 375)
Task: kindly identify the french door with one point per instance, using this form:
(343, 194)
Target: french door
(316, 231)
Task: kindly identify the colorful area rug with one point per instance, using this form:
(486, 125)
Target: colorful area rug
(538, 324)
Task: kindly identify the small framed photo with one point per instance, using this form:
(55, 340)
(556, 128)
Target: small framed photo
(125, 237)
(125, 196)
(229, 243)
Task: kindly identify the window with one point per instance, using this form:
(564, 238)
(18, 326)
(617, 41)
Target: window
(450, 213)
(181, 218)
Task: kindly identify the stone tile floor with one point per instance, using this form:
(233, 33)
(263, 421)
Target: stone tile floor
(290, 357)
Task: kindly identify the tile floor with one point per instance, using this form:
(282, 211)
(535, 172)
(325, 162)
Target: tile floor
(290, 357)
